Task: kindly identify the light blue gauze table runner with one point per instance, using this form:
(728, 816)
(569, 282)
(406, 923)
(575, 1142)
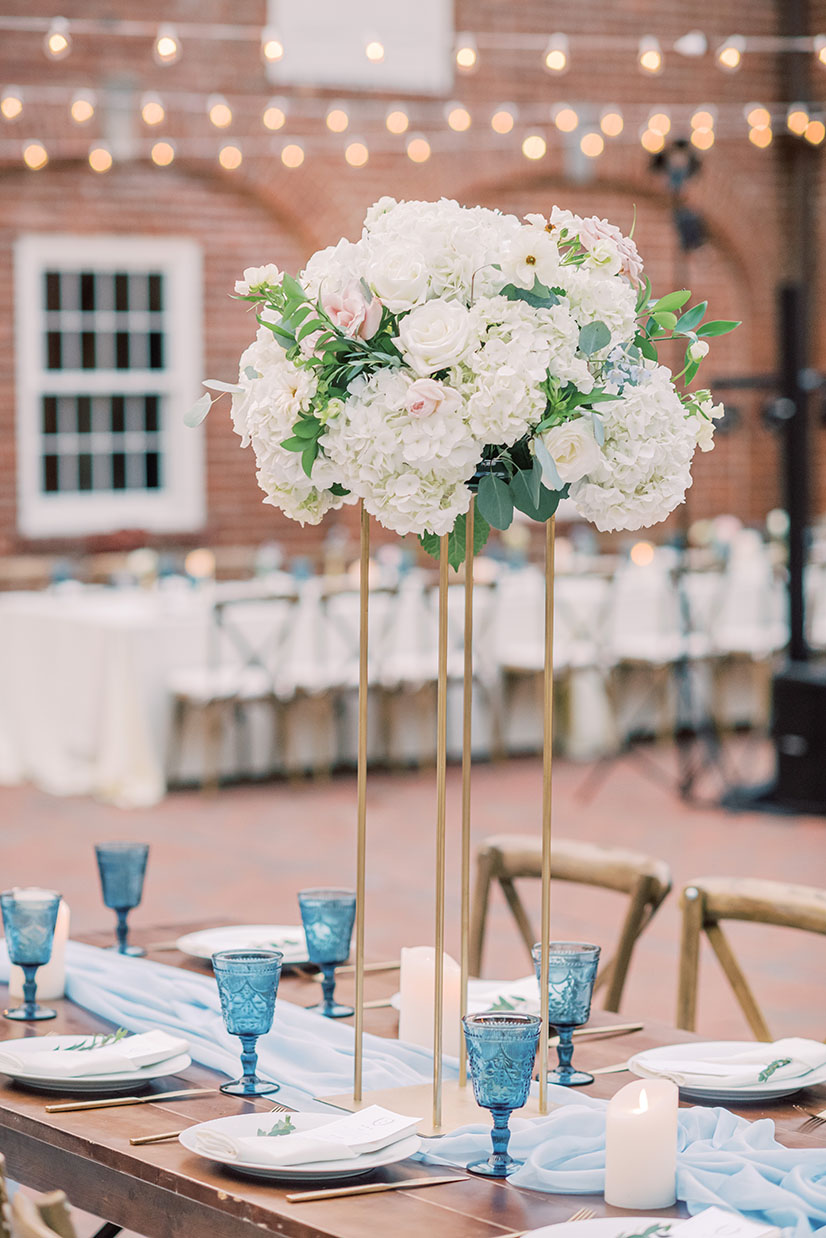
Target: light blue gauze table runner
(722, 1159)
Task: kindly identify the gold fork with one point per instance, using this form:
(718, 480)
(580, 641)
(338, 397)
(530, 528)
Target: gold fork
(581, 1214)
(812, 1119)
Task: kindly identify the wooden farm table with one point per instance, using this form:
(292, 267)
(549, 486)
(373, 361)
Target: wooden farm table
(163, 1191)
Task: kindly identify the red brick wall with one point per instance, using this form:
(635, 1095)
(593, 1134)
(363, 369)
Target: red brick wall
(264, 212)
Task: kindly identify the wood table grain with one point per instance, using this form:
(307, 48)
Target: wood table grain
(163, 1191)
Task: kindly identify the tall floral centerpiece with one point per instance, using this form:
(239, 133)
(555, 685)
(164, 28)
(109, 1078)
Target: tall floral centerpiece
(450, 351)
(453, 349)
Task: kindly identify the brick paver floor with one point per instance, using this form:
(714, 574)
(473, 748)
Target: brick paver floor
(244, 853)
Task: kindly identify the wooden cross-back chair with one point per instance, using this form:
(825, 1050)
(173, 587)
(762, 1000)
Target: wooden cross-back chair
(508, 857)
(707, 901)
(40, 1216)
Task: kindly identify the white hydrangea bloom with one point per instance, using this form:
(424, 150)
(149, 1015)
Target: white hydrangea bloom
(596, 297)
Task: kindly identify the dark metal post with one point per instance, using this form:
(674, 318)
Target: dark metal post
(795, 430)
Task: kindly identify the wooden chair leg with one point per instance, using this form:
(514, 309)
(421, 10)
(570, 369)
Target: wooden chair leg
(5, 1216)
(479, 911)
(519, 914)
(738, 982)
(635, 920)
(54, 1211)
(693, 915)
(176, 740)
(213, 716)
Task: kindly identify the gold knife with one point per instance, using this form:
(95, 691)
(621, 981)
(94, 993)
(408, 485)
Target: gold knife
(406, 1184)
(113, 1101)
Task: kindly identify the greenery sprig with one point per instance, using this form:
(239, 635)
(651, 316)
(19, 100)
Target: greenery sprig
(99, 1041)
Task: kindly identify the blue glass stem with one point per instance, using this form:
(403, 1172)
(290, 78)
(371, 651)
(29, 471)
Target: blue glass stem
(328, 986)
(565, 1049)
(249, 1061)
(29, 988)
(122, 929)
(500, 1138)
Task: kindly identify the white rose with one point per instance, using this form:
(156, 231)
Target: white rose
(399, 279)
(574, 449)
(604, 254)
(435, 335)
(254, 277)
(698, 350)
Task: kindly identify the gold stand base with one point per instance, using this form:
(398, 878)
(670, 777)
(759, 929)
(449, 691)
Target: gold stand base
(458, 1105)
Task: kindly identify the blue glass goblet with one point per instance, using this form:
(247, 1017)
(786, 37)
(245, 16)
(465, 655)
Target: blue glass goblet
(122, 867)
(328, 917)
(247, 986)
(501, 1050)
(572, 969)
(29, 918)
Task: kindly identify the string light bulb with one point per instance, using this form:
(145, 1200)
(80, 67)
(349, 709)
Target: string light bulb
(397, 120)
(650, 55)
(534, 146)
(58, 41)
(466, 53)
(167, 49)
(82, 107)
(797, 118)
(557, 54)
(219, 112)
(652, 141)
(418, 149)
(274, 115)
(374, 51)
(11, 103)
(100, 159)
(35, 156)
(564, 117)
(592, 144)
(357, 154)
(162, 153)
(757, 116)
(703, 118)
(611, 122)
(504, 118)
(337, 118)
(820, 48)
(760, 136)
(815, 132)
(272, 49)
(660, 122)
(153, 111)
(458, 117)
(230, 157)
(729, 55)
(703, 139)
(292, 155)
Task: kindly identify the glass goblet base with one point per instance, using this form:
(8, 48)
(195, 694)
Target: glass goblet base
(30, 1014)
(258, 1087)
(499, 1167)
(570, 1078)
(134, 952)
(333, 1010)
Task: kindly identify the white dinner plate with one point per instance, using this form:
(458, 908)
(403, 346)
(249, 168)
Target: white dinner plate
(317, 1171)
(605, 1227)
(289, 938)
(113, 1085)
(484, 995)
(645, 1064)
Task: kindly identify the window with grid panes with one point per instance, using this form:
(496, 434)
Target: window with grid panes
(108, 362)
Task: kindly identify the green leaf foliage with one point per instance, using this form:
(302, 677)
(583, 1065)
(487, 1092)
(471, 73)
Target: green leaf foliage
(691, 318)
(592, 337)
(494, 501)
(457, 540)
(720, 326)
(671, 301)
(539, 296)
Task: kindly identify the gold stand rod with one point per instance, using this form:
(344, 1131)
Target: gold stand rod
(361, 845)
(547, 762)
(467, 706)
(441, 795)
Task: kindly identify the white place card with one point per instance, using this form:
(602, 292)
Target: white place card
(370, 1129)
(719, 1223)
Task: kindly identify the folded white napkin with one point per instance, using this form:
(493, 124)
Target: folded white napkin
(130, 1053)
(790, 1058)
(295, 1149)
(521, 995)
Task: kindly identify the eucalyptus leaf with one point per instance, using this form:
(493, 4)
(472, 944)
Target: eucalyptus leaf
(692, 318)
(539, 296)
(250, 372)
(214, 384)
(308, 456)
(494, 502)
(550, 473)
(599, 428)
(592, 337)
(525, 488)
(196, 414)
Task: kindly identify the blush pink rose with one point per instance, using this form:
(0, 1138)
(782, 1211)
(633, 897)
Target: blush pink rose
(424, 397)
(351, 312)
(594, 230)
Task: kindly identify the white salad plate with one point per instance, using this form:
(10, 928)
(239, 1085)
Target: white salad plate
(606, 1227)
(112, 1085)
(316, 1171)
(288, 938)
(646, 1064)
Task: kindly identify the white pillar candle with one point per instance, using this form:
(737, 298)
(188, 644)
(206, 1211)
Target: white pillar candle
(416, 1006)
(641, 1145)
(50, 980)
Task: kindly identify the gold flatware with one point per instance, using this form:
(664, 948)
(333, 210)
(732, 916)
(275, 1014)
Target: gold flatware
(605, 1032)
(277, 1107)
(112, 1101)
(406, 1184)
(582, 1214)
(812, 1119)
(616, 1069)
(349, 969)
(142, 1139)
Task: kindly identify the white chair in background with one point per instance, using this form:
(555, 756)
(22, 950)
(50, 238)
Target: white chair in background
(816, 605)
(406, 674)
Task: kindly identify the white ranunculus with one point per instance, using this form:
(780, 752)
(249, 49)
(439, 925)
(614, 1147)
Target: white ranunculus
(698, 350)
(435, 336)
(255, 277)
(574, 449)
(399, 278)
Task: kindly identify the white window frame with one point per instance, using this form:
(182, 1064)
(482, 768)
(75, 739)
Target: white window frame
(178, 505)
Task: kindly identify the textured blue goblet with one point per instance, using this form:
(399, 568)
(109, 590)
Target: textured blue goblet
(501, 1049)
(328, 917)
(572, 969)
(29, 917)
(122, 867)
(247, 986)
